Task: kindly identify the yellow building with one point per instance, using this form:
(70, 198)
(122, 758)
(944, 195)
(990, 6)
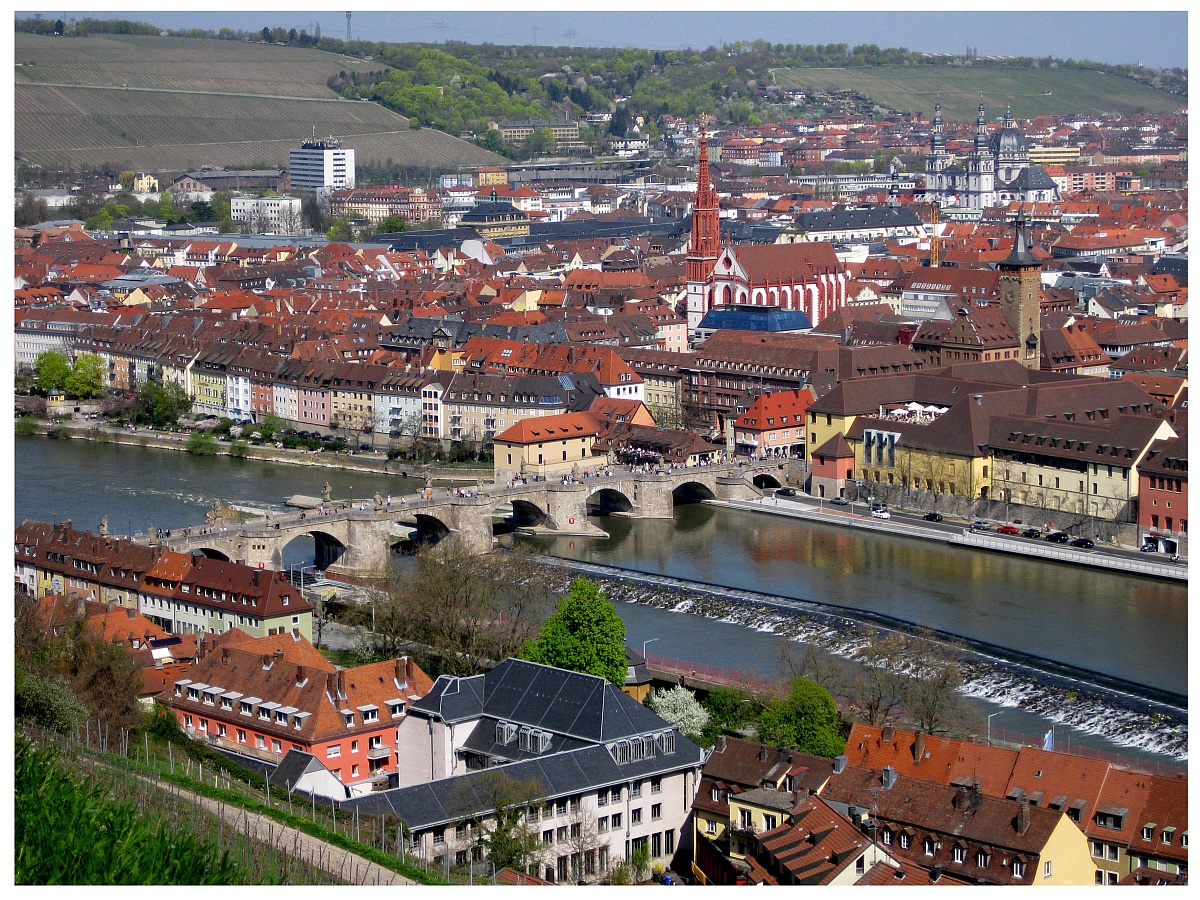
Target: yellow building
(546, 447)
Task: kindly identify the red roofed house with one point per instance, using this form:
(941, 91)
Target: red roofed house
(265, 697)
(546, 447)
(774, 424)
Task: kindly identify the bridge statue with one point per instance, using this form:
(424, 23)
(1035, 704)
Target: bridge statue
(104, 526)
(326, 491)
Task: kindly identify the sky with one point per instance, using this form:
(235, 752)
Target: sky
(1153, 38)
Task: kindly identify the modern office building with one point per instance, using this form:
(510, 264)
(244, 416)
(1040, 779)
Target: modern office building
(321, 164)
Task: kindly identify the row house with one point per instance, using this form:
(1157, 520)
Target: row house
(271, 697)
(52, 330)
(352, 391)
(195, 594)
(548, 448)
(774, 424)
(209, 387)
(181, 594)
(377, 203)
(1163, 488)
(477, 406)
(615, 779)
(397, 403)
(1131, 820)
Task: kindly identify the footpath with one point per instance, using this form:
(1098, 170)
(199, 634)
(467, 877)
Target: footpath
(352, 462)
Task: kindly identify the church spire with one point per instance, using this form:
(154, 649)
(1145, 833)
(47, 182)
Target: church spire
(981, 140)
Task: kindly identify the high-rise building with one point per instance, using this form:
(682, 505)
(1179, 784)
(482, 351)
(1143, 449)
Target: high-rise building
(321, 164)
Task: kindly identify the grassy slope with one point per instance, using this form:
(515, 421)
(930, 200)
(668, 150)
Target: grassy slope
(916, 88)
(147, 103)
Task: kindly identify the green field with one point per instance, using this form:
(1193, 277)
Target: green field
(1032, 92)
(149, 103)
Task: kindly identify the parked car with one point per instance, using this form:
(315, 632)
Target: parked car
(980, 526)
(1058, 537)
(1009, 529)
(1031, 532)
(785, 492)
(840, 501)
(933, 517)
(1085, 543)
(1148, 548)
(880, 514)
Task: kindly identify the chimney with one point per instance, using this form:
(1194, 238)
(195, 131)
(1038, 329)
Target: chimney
(919, 749)
(889, 778)
(224, 656)
(887, 734)
(720, 745)
(762, 752)
(401, 664)
(936, 874)
(960, 798)
(331, 684)
(1023, 816)
(300, 676)
(278, 654)
(839, 765)
(341, 683)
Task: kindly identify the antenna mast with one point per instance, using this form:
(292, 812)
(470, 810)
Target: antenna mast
(348, 14)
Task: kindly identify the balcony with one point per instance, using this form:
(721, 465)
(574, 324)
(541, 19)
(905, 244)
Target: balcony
(378, 752)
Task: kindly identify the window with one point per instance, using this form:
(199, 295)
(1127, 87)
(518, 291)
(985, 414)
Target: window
(927, 846)
(241, 736)
(905, 841)
(602, 824)
(860, 866)
(769, 821)
(669, 836)
(635, 816)
(886, 836)
(562, 834)
(575, 804)
(1018, 869)
(982, 859)
(960, 854)
(333, 750)
(602, 798)
(1148, 833)
(615, 821)
(1047, 869)
(260, 742)
(636, 789)
(439, 836)
(277, 747)
(615, 796)
(354, 746)
(710, 826)
(1112, 851)
(656, 811)
(354, 771)
(715, 794)
(548, 836)
(560, 808)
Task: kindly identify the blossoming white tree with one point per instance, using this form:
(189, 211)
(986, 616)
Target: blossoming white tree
(680, 707)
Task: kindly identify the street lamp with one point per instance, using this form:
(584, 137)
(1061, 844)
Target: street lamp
(645, 643)
(989, 725)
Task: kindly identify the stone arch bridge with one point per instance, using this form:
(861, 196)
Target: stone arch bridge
(354, 540)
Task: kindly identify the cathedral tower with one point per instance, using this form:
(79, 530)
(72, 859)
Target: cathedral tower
(1020, 294)
(706, 238)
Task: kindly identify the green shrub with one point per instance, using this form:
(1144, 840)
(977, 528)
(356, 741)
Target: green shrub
(237, 449)
(27, 425)
(48, 701)
(201, 443)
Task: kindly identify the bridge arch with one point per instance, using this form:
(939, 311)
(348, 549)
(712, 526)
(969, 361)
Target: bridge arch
(765, 480)
(517, 513)
(211, 553)
(326, 548)
(692, 492)
(606, 500)
(425, 531)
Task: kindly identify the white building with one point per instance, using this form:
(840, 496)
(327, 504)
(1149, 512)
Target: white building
(275, 214)
(614, 777)
(321, 164)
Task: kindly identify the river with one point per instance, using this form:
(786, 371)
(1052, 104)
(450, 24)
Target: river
(1127, 627)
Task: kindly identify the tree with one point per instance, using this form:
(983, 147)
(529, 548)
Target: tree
(162, 404)
(31, 210)
(270, 426)
(501, 827)
(311, 213)
(51, 371)
(680, 707)
(584, 634)
(201, 443)
(806, 719)
(469, 611)
(878, 685)
(493, 140)
(728, 709)
(86, 378)
(937, 674)
(618, 125)
(391, 225)
(266, 35)
(540, 142)
(126, 180)
(340, 231)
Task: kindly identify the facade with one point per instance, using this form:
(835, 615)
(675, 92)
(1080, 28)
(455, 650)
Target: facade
(1163, 491)
(547, 447)
(614, 778)
(321, 164)
(996, 171)
(268, 696)
(276, 214)
(774, 424)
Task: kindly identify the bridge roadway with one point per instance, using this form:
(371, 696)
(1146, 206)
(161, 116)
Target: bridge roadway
(355, 537)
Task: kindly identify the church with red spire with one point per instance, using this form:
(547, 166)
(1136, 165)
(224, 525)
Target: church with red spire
(800, 277)
(705, 246)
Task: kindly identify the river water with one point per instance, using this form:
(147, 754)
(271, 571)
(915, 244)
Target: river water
(1124, 626)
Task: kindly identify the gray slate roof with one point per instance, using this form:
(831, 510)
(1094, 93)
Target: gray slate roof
(555, 700)
(451, 799)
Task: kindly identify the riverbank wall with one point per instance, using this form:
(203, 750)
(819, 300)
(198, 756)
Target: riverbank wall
(351, 463)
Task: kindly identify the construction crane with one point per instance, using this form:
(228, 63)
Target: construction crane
(935, 245)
